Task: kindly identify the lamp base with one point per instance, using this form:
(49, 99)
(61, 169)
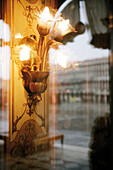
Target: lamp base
(34, 82)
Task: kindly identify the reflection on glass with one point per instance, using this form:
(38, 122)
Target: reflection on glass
(79, 98)
(4, 75)
(79, 102)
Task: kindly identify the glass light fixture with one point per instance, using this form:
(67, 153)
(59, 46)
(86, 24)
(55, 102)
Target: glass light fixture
(31, 56)
(61, 28)
(44, 20)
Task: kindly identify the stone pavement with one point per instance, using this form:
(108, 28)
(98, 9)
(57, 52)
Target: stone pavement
(59, 157)
(71, 157)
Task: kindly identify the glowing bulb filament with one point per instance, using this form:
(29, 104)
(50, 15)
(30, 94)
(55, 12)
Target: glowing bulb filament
(45, 15)
(63, 26)
(24, 53)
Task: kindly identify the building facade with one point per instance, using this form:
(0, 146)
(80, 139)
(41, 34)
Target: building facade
(89, 83)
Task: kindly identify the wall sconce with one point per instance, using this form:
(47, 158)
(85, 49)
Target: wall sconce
(31, 55)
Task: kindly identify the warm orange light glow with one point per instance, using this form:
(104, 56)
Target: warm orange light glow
(24, 53)
(45, 15)
(64, 25)
(68, 91)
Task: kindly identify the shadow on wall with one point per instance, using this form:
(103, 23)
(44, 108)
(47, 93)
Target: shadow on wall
(99, 154)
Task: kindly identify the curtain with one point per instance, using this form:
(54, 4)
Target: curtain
(72, 12)
(98, 17)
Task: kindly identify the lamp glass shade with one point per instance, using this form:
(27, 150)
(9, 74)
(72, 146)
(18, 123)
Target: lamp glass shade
(44, 20)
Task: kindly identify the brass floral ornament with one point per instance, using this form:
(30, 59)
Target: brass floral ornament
(31, 54)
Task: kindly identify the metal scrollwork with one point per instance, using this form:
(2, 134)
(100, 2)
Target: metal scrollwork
(29, 14)
(32, 1)
(30, 108)
(29, 11)
(25, 145)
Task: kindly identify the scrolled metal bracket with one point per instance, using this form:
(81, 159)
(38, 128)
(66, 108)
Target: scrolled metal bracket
(30, 108)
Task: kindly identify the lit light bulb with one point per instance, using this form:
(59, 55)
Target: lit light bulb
(24, 53)
(45, 15)
(64, 25)
(61, 28)
(44, 22)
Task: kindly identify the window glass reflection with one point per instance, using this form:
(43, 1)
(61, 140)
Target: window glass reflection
(4, 75)
(80, 97)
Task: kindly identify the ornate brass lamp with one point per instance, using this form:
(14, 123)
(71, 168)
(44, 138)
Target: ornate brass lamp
(31, 55)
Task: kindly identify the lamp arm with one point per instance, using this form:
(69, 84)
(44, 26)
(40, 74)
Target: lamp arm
(40, 45)
(57, 14)
(41, 117)
(17, 120)
(45, 53)
(21, 3)
(50, 42)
